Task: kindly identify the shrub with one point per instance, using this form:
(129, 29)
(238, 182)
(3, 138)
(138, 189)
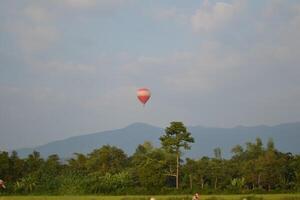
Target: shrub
(71, 184)
(135, 198)
(215, 198)
(179, 198)
(251, 198)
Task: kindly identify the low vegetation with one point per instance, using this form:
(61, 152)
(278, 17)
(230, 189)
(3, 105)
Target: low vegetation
(170, 197)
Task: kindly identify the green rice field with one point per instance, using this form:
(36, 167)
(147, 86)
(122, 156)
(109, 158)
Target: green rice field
(165, 197)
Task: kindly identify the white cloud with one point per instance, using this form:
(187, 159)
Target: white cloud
(84, 4)
(35, 38)
(80, 3)
(203, 70)
(142, 64)
(37, 13)
(63, 66)
(113, 99)
(36, 25)
(33, 28)
(33, 95)
(185, 72)
(210, 17)
(170, 14)
(277, 34)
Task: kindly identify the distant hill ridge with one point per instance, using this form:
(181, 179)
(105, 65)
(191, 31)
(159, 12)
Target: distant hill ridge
(286, 138)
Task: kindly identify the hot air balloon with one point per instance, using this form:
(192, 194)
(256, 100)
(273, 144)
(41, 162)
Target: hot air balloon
(143, 94)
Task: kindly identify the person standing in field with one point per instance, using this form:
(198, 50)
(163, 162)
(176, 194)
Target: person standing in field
(2, 184)
(196, 197)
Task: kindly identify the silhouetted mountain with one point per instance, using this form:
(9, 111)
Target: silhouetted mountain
(285, 136)
(126, 138)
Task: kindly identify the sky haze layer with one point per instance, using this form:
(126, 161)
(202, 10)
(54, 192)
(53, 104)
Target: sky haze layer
(72, 67)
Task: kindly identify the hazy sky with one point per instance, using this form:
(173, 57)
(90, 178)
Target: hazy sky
(72, 67)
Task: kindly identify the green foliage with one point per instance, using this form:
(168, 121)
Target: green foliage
(215, 198)
(25, 185)
(238, 182)
(176, 137)
(16, 166)
(290, 198)
(107, 159)
(254, 168)
(135, 198)
(33, 162)
(78, 163)
(71, 184)
(179, 198)
(4, 165)
(47, 184)
(151, 168)
(252, 197)
(96, 183)
(143, 197)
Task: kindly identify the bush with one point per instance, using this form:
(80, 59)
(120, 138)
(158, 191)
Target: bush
(71, 184)
(251, 198)
(25, 185)
(290, 198)
(215, 198)
(108, 184)
(135, 198)
(179, 198)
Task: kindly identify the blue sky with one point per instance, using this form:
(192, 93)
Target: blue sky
(72, 67)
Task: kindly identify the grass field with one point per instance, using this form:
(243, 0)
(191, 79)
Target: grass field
(166, 197)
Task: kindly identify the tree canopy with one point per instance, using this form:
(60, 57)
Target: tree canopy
(253, 167)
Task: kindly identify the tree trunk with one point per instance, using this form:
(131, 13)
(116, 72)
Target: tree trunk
(191, 181)
(202, 183)
(177, 171)
(258, 180)
(216, 182)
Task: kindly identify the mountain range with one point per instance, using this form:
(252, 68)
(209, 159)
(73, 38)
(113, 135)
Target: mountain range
(285, 136)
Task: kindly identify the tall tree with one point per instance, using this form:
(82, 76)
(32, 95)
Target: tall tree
(150, 170)
(218, 153)
(33, 162)
(176, 137)
(78, 163)
(16, 166)
(4, 165)
(107, 159)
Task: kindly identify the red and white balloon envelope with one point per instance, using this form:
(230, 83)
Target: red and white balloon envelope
(143, 94)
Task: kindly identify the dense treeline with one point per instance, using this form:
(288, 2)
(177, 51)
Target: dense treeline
(252, 168)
